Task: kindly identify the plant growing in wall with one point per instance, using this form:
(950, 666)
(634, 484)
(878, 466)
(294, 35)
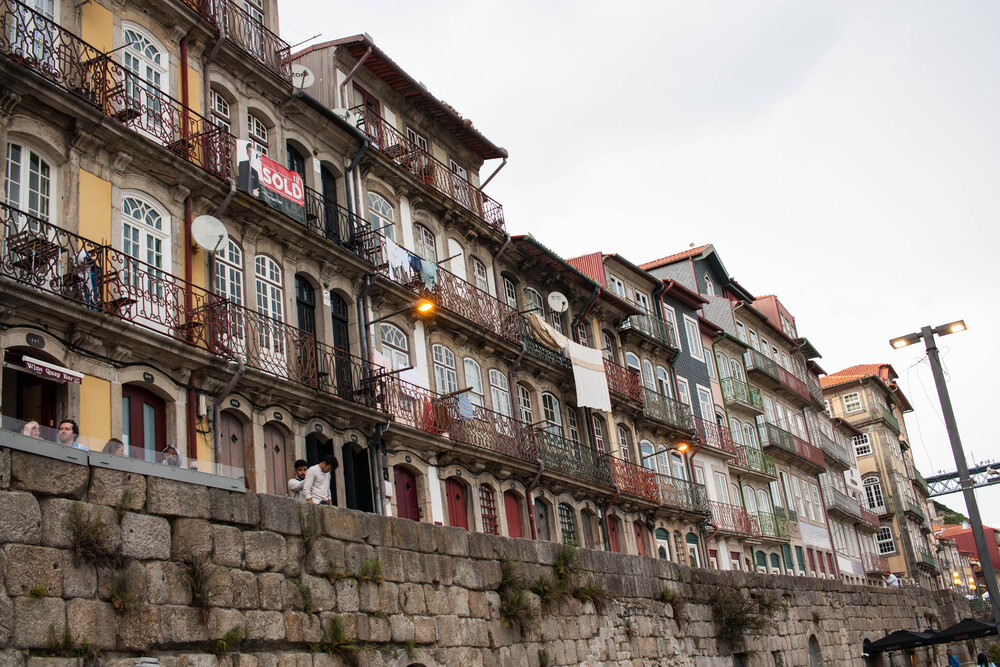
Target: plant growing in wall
(305, 594)
(67, 647)
(120, 598)
(198, 575)
(89, 539)
(231, 641)
(309, 520)
(515, 604)
(335, 642)
(676, 601)
(741, 610)
(371, 570)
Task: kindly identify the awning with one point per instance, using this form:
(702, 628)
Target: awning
(968, 628)
(51, 371)
(898, 641)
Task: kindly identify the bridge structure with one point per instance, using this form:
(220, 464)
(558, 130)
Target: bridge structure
(944, 483)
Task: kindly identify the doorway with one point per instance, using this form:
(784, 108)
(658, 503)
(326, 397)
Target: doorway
(613, 542)
(144, 423)
(458, 514)
(357, 477)
(231, 443)
(274, 460)
(512, 508)
(407, 504)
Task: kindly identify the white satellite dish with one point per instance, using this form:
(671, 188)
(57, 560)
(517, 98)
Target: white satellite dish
(302, 78)
(558, 302)
(209, 233)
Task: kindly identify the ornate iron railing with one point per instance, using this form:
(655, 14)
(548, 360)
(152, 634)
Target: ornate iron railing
(538, 349)
(41, 45)
(774, 436)
(634, 479)
(682, 494)
(206, 9)
(652, 327)
(426, 168)
(257, 41)
(838, 500)
(814, 390)
(732, 518)
(737, 390)
(793, 383)
(756, 460)
(914, 508)
(350, 377)
(875, 563)
(623, 382)
(873, 413)
(772, 525)
(665, 410)
(714, 435)
(831, 447)
(926, 558)
(869, 518)
(573, 458)
(755, 361)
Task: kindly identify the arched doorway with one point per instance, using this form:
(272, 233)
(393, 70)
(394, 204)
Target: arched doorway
(28, 396)
(640, 543)
(341, 344)
(407, 504)
(542, 520)
(318, 446)
(275, 472)
(458, 514)
(512, 508)
(694, 557)
(305, 304)
(613, 528)
(357, 477)
(587, 528)
(231, 444)
(144, 423)
(815, 655)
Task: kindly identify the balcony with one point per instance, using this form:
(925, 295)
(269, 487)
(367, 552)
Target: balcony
(889, 419)
(839, 503)
(680, 494)
(652, 328)
(885, 509)
(737, 391)
(428, 169)
(776, 376)
(772, 525)
(836, 454)
(793, 384)
(42, 46)
(733, 519)
(205, 9)
(623, 382)
(543, 352)
(815, 391)
(764, 366)
(262, 45)
(754, 460)
(919, 480)
(791, 447)
(634, 479)
(869, 520)
(873, 414)
(572, 458)
(926, 559)
(875, 564)
(664, 410)
(913, 508)
(714, 435)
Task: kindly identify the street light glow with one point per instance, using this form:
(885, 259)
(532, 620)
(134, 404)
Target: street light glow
(899, 342)
(683, 447)
(425, 306)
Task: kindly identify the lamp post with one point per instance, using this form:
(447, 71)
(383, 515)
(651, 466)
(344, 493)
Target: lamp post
(985, 555)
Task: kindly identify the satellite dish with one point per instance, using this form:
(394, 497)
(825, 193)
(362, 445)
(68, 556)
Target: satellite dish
(209, 233)
(302, 78)
(558, 302)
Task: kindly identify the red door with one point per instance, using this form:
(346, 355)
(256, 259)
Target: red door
(512, 506)
(457, 513)
(613, 534)
(231, 440)
(144, 424)
(274, 460)
(639, 544)
(406, 494)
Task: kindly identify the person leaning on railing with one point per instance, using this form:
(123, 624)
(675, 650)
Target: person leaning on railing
(69, 435)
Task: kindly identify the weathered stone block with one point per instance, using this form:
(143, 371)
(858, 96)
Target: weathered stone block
(246, 594)
(47, 477)
(195, 660)
(479, 605)
(355, 555)
(141, 629)
(435, 597)
(368, 597)
(347, 595)
(234, 507)
(6, 623)
(4, 468)
(145, 537)
(469, 574)
(33, 618)
(92, 621)
(459, 601)
(264, 551)
(453, 541)
(221, 621)
(20, 517)
(302, 627)
(281, 514)
(79, 577)
(191, 536)
(402, 628)
(272, 590)
(30, 566)
(168, 497)
(295, 551)
(424, 630)
(182, 625)
(341, 524)
(220, 582)
(227, 546)
(392, 563)
(323, 596)
(166, 584)
(117, 488)
(265, 625)
(411, 599)
(323, 551)
(388, 598)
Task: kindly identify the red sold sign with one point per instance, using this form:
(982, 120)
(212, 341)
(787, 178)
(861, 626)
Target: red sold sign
(283, 181)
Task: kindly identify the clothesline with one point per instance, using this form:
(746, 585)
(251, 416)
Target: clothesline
(410, 265)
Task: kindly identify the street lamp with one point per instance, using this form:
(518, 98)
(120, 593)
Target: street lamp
(424, 307)
(985, 555)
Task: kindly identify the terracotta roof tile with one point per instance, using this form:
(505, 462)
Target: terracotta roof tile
(837, 379)
(670, 259)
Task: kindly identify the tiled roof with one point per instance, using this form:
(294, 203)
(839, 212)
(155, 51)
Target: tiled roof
(881, 371)
(836, 379)
(670, 259)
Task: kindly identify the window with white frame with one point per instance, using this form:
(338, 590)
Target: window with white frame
(479, 275)
(705, 404)
(534, 299)
(556, 320)
(616, 285)
(741, 331)
(500, 392)
(270, 301)
(648, 377)
(663, 382)
(683, 395)
(632, 363)
(395, 346)
(582, 335)
(711, 366)
(671, 319)
(229, 273)
(474, 379)
(221, 113)
(552, 414)
(416, 139)
(754, 341)
(852, 402)
(424, 241)
(598, 425)
(873, 493)
(625, 442)
(257, 133)
(750, 435)
(29, 181)
(445, 377)
(736, 367)
(572, 424)
(883, 539)
(736, 430)
(509, 292)
(722, 364)
(524, 405)
(709, 286)
(146, 58)
(146, 237)
(862, 445)
(381, 216)
(677, 468)
(693, 338)
(646, 458)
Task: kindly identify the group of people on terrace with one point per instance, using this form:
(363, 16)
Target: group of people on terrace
(68, 435)
(312, 483)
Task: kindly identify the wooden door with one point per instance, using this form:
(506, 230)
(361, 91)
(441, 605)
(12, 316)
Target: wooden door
(357, 478)
(640, 545)
(587, 526)
(231, 443)
(542, 521)
(274, 460)
(457, 512)
(613, 535)
(343, 373)
(512, 508)
(407, 506)
(144, 424)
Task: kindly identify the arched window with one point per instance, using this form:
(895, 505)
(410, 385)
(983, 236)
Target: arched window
(567, 523)
(395, 345)
(694, 558)
(572, 424)
(479, 275)
(646, 455)
(381, 216)
(295, 161)
(509, 292)
(144, 57)
(229, 273)
(709, 286)
(552, 413)
(474, 379)
(750, 435)
(500, 393)
(722, 364)
(663, 544)
(609, 347)
(581, 333)
(29, 181)
(775, 564)
(146, 237)
(445, 377)
(257, 133)
(677, 466)
(750, 500)
(625, 442)
(632, 362)
(647, 375)
(488, 505)
(737, 368)
(425, 243)
(815, 655)
(663, 382)
(763, 501)
(599, 443)
(736, 430)
(524, 405)
(270, 302)
(535, 301)
(873, 493)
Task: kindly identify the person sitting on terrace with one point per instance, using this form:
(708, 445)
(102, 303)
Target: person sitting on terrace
(32, 430)
(69, 435)
(170, 457)
(115, 447)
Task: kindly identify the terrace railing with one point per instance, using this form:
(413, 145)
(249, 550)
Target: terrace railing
(258, 42)
(634, 479)
(773, 525)
(875, 563)
(793, 383)
(737, 390)
(682, 494)
(837, 499)
(207, 9)
(714, 435)
(540, 350)
(426, 168)
(831, 447)
(623, 382)
(772, 435)
(652, 327)
(573, 458)
(814, 390)
(758, 461)
(869, 518)
(733, 518)
(665, 409)
(755, 361)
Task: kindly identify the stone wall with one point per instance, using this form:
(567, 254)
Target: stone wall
(437, 604)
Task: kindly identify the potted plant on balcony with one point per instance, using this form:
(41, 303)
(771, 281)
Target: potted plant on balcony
(426, 173)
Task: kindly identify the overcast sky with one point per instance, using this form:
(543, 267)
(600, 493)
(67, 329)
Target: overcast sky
(843, 155)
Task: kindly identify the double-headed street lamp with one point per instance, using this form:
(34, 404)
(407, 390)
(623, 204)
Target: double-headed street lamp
(985, 554)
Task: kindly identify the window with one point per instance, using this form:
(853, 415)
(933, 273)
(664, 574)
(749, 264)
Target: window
(711, 366)
(709, 286)
(295, 160)
(722, 363)
(500, 392)
(663, 382)
(883, 538)
(683, 395)
(552, 414)
(509, 292)
(270, 302)
(671, 319)
(535, 302)
(694, 559)
(29, 181)
(741, 331)
(582, 336)
(862, 445)
(416, 139)
(852, 403)
(648, 377)
(488, 504)
(257, 132)
(147, 60)
(625, 443)
(693, 338)
(646, 458)
(598, 433)
(677, 468)
(705, 403)
(220, 111)
(736, 430)
(144, 429)
(632, 362)
(616, 285)
(445, 377)
(524, 404)
(750, 435)
(380, 215)
(873, 493)
(721, 487)
(797, 492)
(146, 237)
(754, 342)
(479, 275)
(557, 323)
(424, 241)
(229, 273)
(737, 368)
(572, 424)
(395, 346)
(567, 523)
(474, 379)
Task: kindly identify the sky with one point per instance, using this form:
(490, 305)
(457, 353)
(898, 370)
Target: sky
(842, 155)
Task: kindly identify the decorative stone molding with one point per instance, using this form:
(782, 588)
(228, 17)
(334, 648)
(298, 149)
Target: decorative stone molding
(120, 161)
(8, 100)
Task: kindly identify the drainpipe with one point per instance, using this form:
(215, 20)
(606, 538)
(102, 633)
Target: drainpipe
(192, 417)
(496, 264)
(363, 319)
(376, 451)
(495, 172)
(604, 516)
(354, 199)
(192, 431)
(531, 503)
(584, 313)
(240, 369)
(350, 75)
(206, 81)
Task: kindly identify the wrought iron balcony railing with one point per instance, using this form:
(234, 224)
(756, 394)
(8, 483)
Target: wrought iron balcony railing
(652, 327)
(794, 384)
(714, 435)
(837, 500)
(756, 460)
(773, 436)
(426, 168)
(889, 418)
(874, 563)
(755, 361)
(540, 350)
(914, 508)
(869, 518)
(258, 42)
(815, 391)
(665, 410)
(206, 9)
(623, 382)
(682, 494)
(831, 448)
(634, 479)
(925, 557)
(42, 46)
(737, 390)
(871, 414)
(773, 525)
(572, 458)
(733, 519)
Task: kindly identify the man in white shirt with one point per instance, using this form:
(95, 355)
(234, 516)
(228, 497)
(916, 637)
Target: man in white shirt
(296, 483)
(316, 487)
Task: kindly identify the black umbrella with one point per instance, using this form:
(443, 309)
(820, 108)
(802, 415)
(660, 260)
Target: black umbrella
(968, 628)
(899, 640)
